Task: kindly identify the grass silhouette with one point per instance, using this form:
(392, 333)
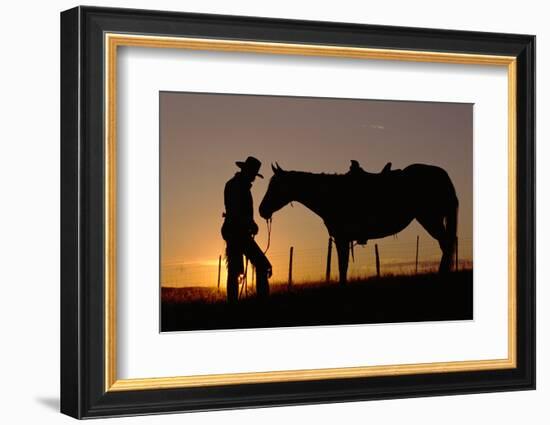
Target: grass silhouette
(388, 299)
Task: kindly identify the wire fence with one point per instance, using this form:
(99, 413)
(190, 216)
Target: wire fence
(309, 264)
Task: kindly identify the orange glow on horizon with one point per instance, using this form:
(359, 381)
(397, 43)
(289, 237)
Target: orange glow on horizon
(202, 135)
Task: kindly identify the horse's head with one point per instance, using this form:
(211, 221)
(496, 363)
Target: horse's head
(278, 192)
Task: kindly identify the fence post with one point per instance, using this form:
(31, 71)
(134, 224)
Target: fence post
(290, 266)
(329, 259)
(377, 260)
(219, 270)
(416, 264)
(456, 254)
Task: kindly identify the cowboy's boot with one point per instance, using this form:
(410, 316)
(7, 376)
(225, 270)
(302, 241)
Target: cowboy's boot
(262, 284)
(232, 288)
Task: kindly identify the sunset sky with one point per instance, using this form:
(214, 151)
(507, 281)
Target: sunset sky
(202, 135)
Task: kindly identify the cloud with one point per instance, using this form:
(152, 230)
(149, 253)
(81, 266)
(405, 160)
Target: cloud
(377, 126)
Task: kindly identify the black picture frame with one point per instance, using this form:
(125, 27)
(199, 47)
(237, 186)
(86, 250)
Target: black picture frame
(83, 393)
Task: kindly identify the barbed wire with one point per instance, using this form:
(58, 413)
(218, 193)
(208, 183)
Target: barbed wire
(309, 263)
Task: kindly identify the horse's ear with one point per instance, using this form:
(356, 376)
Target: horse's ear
(278, 167)
(275, 170)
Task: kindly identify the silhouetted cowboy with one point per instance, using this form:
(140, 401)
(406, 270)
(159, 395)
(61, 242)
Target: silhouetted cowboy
(239, 228)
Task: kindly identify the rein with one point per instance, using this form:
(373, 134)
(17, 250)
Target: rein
(268, 223)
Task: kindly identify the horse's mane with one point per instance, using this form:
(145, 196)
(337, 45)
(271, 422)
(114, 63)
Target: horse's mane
(321, 176)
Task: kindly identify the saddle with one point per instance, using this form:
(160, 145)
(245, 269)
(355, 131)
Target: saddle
(384, 181)
(356, 170)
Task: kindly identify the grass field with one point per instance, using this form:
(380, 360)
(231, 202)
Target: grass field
(400, 298)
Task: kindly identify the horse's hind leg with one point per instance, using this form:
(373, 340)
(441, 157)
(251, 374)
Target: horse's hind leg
(342, 247)
(434, 225)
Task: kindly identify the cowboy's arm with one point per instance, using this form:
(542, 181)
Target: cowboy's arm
(233, 201)
(254, 227)
(238, 207)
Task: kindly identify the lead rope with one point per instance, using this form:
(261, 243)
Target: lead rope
(268, 223)
(244, 282)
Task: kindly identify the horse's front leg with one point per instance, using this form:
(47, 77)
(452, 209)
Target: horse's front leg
(342, 247)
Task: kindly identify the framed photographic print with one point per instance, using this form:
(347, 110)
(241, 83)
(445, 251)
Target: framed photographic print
(263, 212)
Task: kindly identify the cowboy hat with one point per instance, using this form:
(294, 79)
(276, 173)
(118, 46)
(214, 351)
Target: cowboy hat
(252, 165)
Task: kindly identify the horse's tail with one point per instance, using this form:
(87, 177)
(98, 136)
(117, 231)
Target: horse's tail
(451, 224)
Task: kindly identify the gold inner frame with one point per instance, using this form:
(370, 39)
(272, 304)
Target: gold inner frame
(113, 41)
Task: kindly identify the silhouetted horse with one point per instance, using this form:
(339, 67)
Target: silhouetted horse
(358, 206)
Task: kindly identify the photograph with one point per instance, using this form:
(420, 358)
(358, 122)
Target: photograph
(279, 211)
